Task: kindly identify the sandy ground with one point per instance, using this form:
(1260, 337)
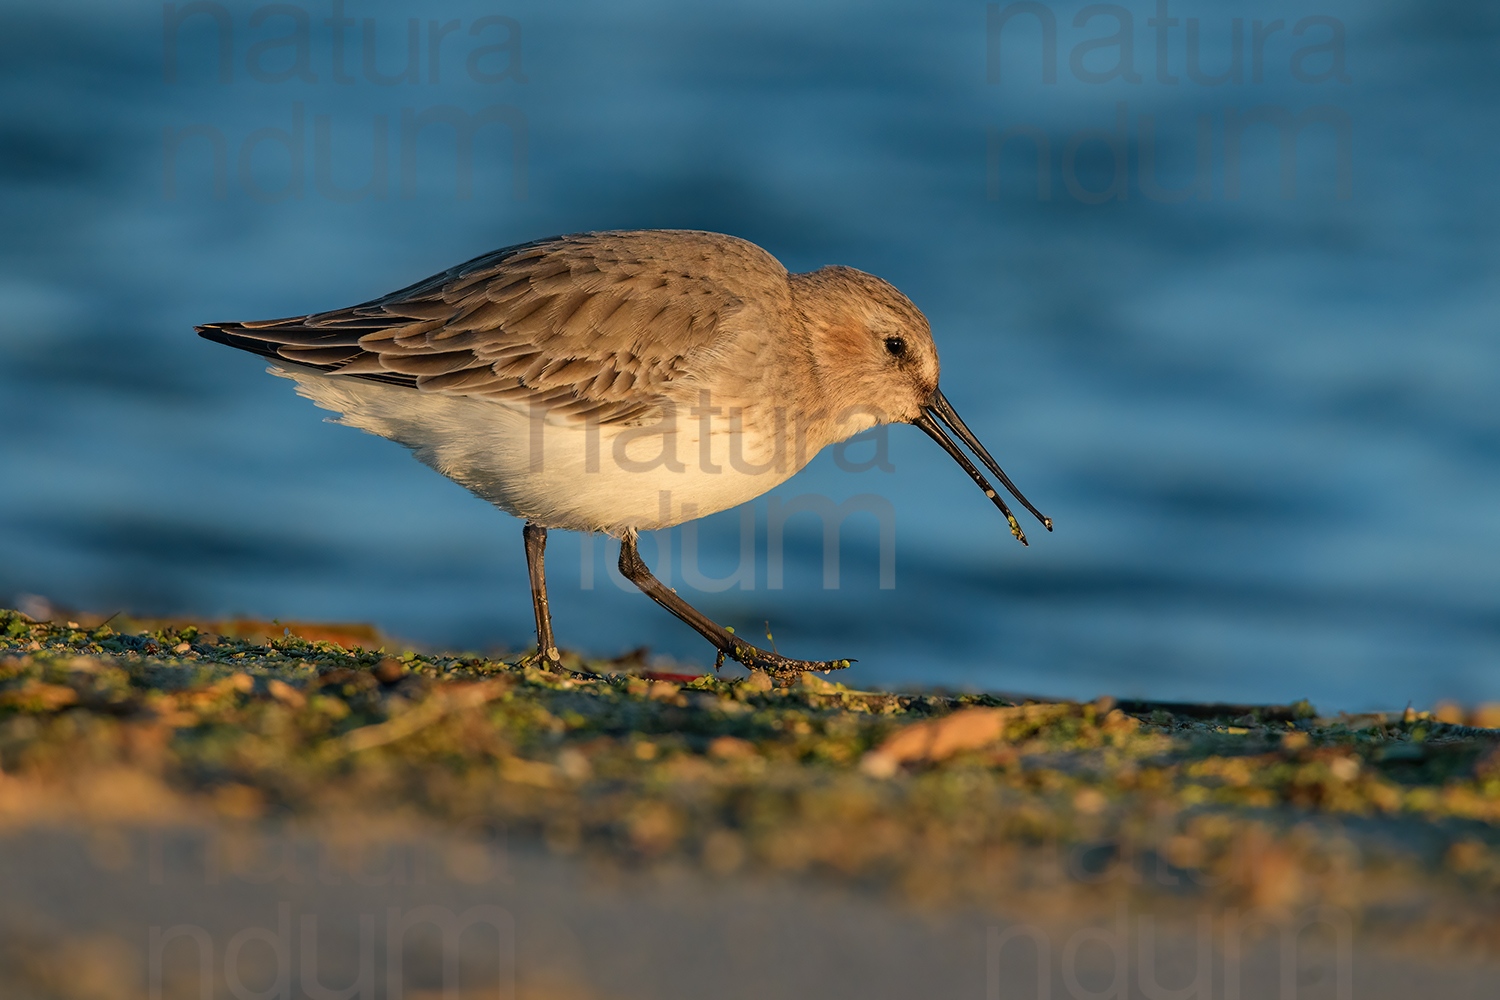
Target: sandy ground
(209, 912)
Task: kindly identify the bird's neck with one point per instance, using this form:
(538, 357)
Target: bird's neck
(833, 330)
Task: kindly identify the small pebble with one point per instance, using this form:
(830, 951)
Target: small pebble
(663, 690)
(389, 671)
(1449, 712)
(758, 680)
(1295, 741)
(1344, 768)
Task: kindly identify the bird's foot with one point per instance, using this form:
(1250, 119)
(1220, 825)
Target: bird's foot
(780, 667)
(544, 659)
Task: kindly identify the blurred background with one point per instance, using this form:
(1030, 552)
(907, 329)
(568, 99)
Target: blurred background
(1215, 283)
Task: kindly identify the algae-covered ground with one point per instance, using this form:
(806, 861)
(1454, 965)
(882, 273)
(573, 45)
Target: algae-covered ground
(948, 801)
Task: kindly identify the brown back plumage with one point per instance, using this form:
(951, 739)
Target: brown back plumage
(591, 326)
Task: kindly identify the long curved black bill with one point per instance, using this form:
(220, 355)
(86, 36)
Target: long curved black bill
(939, 409)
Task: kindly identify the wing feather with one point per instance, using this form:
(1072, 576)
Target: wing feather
(597, 326)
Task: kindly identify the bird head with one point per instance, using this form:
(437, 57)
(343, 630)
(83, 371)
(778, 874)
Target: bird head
(879, 365)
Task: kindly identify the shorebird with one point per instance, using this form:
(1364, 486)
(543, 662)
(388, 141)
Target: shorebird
(620, 382)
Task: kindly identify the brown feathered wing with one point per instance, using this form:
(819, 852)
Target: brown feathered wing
(595, 326)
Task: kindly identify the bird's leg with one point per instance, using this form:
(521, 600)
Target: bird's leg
(633, 568)
(536, 546)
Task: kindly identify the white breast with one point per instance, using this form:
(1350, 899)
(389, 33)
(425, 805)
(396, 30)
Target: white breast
(580, 476)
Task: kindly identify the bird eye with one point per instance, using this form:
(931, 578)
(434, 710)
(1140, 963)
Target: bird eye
(896, 346)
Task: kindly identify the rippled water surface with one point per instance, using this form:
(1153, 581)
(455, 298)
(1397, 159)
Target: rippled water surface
(1256, 392)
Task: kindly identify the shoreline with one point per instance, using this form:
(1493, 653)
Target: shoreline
(944, 802)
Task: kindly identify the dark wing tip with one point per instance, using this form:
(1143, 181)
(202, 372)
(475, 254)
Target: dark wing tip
(225, 333)
(237, 335)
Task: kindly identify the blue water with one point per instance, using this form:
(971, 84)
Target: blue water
(1263, 418)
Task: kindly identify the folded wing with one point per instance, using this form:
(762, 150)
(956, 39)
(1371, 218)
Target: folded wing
(597, 326)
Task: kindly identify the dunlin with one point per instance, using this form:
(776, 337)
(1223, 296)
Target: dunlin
(625, 381)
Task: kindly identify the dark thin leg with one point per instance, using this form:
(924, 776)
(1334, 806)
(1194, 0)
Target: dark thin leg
(536, 546)
(633, 568)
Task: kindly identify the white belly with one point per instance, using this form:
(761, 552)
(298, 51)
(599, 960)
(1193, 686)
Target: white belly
(581, 476)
